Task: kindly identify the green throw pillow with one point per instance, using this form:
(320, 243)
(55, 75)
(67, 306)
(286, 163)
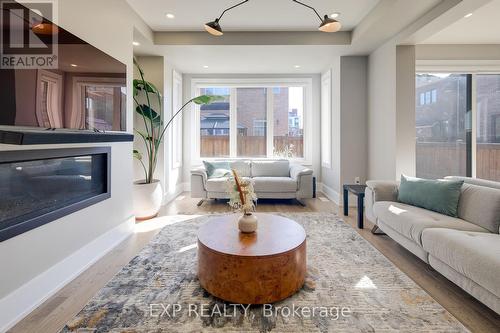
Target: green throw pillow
(217, 169)
(437, 195)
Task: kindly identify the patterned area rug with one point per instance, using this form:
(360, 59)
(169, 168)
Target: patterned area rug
(350, 287)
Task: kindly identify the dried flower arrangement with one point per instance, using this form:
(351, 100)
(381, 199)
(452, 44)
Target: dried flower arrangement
(242, 195)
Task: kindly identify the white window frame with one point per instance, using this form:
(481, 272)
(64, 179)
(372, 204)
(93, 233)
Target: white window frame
(326, 119)
(269, 83)
(438, 67)
(176, 132)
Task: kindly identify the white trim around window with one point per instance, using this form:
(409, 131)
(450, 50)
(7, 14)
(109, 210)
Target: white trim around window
(326, 119)
(233, 84)
(176, 132)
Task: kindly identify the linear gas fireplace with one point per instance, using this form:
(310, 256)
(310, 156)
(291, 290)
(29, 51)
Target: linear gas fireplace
(40, 186)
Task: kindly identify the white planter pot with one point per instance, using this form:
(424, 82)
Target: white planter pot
(147, 199)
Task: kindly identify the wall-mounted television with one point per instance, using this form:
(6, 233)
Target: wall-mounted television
(84, 88)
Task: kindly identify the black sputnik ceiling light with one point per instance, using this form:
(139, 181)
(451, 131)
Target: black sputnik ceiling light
(328, 24)
(213, 27)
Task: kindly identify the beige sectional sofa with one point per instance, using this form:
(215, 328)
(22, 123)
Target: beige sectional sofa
(272, 179)
(466, 250)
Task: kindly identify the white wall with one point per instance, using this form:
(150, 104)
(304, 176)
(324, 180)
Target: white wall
(405, 111)
(382, 113)
(330, 177)
(349, 125)
(187, 78)
(39, 262)
(391, 112)
(354, 124)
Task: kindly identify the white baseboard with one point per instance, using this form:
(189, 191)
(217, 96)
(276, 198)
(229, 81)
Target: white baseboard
(329, 193)
(169, 197)
(22, 301)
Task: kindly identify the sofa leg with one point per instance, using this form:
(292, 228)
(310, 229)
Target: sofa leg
(200, 202)
(301, 202)
(375, 230)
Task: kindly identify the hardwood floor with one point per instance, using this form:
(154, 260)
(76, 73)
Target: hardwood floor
(66, 303)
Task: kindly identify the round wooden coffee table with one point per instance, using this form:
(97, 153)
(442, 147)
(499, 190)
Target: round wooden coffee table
(264, 267)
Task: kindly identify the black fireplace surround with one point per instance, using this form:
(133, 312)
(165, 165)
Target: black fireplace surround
(40, 186)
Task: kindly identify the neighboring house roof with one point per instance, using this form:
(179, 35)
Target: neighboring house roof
(218, 106)
(218, 121)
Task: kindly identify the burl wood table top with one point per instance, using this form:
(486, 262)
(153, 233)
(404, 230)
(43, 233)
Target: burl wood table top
(275, 235)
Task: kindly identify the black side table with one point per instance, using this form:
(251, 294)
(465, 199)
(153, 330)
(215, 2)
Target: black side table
(359, 191)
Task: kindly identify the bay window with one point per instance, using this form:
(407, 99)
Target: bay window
(255, 119)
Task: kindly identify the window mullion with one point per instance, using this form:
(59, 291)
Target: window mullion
(474, 126)
(270, 123)
(233, 123)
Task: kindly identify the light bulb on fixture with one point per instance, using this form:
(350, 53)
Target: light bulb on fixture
(214, 27)
(328, 23)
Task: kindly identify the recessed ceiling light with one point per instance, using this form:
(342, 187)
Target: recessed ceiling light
(468, 15)
(296, 66)
(170, 16)
(334, 15)
(205, 66)
(136, 43)
(74, 65)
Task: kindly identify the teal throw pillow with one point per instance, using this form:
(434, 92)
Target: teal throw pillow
(217, 169)
(437, 195)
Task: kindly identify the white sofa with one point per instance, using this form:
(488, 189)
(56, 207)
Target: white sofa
(272, 179)
(466, 250)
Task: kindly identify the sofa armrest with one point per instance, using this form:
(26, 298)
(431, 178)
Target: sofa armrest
(200, 171)
(383, 190)
(379, 190)
(304, 178)
(297, 171)
(199, 183)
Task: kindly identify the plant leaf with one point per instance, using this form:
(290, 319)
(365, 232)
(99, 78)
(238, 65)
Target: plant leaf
(137, 154)
(149, 113)
(147, 86)
(207, 99)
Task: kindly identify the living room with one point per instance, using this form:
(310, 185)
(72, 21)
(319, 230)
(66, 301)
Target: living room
(250, 166)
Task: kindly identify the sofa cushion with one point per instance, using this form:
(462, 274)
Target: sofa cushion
(242, 167)
(411, 221)
(279, 168)
(219, 169)
(274, 184)
(438, 195)
(475, 255)
(480, 205)
(217, 184)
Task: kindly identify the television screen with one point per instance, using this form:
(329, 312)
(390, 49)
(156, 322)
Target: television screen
(51, 78)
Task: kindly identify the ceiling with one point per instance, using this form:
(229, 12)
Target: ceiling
(483, 27)
(255, 15)
(236, 59)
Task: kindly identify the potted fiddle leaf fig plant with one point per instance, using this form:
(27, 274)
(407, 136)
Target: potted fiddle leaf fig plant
(148, 193)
